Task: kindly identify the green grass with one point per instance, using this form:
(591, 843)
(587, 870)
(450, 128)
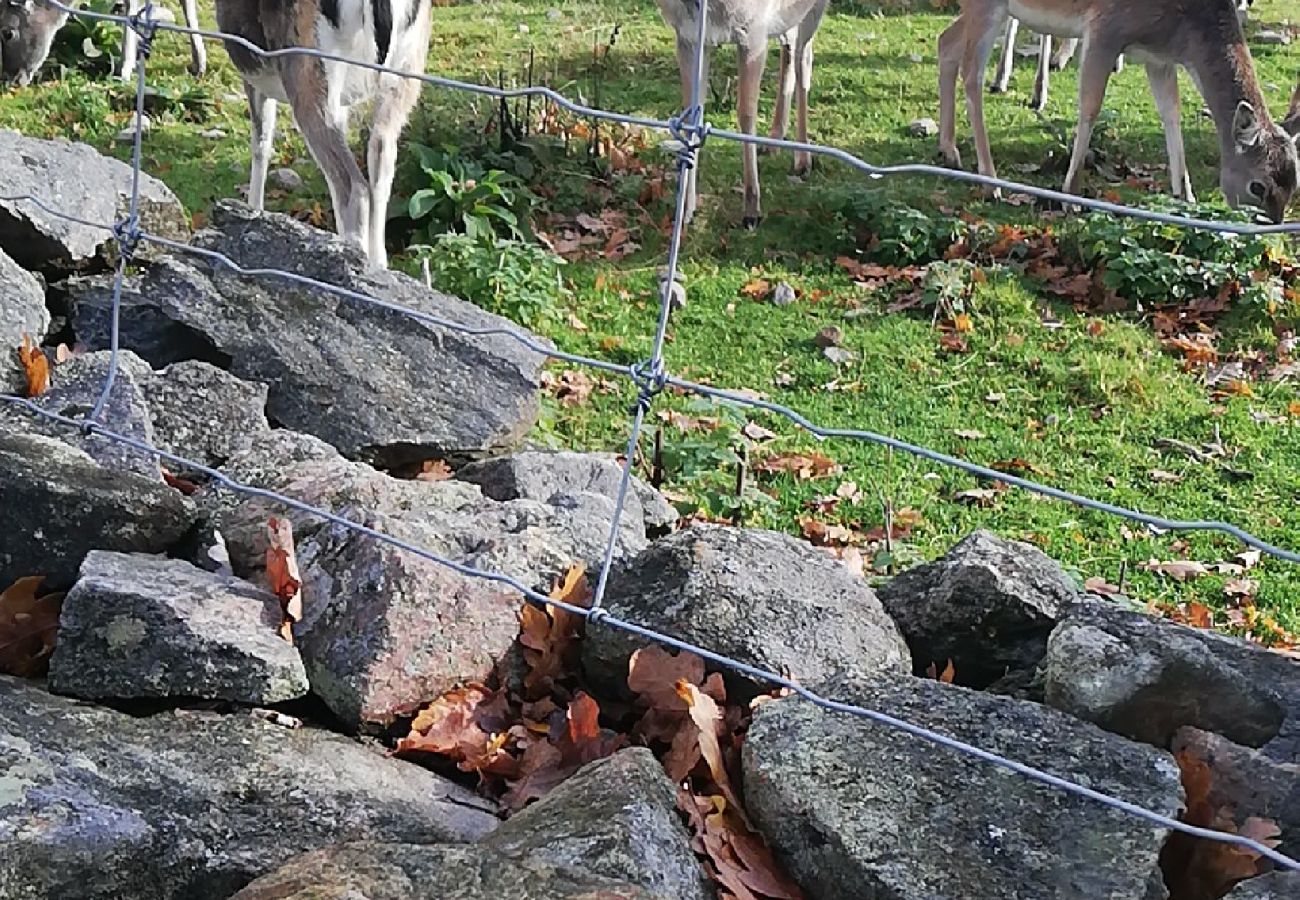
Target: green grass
(1082, 404)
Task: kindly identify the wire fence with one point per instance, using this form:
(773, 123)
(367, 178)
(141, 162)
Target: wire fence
(689, 131)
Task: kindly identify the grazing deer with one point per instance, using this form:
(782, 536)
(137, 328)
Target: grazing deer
(750, 24)
(1258, 159)
(28, 27)
(394, 33)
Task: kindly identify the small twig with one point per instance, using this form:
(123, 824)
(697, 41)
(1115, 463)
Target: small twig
(1175, 444)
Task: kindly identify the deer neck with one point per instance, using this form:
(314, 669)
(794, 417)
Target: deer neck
(1225, 76)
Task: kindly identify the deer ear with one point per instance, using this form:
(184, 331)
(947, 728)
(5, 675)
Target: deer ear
(1245, 126)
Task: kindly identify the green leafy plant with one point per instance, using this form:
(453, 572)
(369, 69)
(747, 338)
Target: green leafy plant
(90, 45)
(516, 279)
(465, 197)
(894, 234)
(702, 461)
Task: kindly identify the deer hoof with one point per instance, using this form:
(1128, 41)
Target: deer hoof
(749, 223)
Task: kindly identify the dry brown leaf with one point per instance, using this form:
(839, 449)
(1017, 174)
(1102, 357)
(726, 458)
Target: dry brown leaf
(433, 470)
(1098, 585)
(962, 323)
(36, 365)
(1178, 569)
(549, 636)
(803, 466)
(547, 763)
(946, 676)
(29, 624)
(757, 288)
(282, 572)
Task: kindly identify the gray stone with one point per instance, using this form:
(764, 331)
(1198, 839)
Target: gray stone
(97, 805)
(138, 626)
(385, 629)
(378, 385)
(74, 179)
(203, 413)
(1268, 37)
(22, 306)
(1145, 678)
(618, 817)
(59, 505)
(858, 809)
(285, 179)
(541, 475)
(421, 872)
(988, 605)
(75, 386)
(784, 294)
(1273, 886)
(923, 127)
(761, 597)
(1247, 782)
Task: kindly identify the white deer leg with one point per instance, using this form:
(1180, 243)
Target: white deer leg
(1064, 53)
(981, 33)
(1041, 80)
(198, 50)
(392, 109)
(261, 114)
(804, 64)
(1008, 60)
(130, 43)
(686, 69)
(950, 52)
(752, 60)
(321, 121)
(1164, 88)
(786, 84)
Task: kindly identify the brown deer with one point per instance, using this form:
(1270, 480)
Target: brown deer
(393, 33)
(750, 25)
(1258, 159)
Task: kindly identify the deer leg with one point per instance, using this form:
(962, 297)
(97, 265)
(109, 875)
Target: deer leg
(198, 50)
(999, 85)
(752, 60)
(261, 114)
(980, 36)
(1098, 62)
(804, 63)
(130, 43)
(950, 50)
(686, 69)
(319, 116)
(786, 80)
(1064, 53)
(1164, 88)
(1038, 101)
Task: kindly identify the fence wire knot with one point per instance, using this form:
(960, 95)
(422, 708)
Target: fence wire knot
(650, 378)
(144, 24)
(689, 130)
(596, 615)
(127, 233)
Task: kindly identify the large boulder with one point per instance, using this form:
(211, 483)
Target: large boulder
(1245, 782)
(1145, 678)
(385, 628)
(541, 475)
(22, 305)
(377, 384)
(139, 626)
(77, 180)
(856, 808)
(1273, 886)
(616, 816)
(987, 606)
(373, 871)
(97, 805)
(761, 597)
(204, 413)
(59, 505)
(75, 387)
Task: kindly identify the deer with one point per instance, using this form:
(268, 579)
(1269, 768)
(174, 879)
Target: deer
(1258, 158)
(750, 25)
(28, 27)
(1059, 60)
(321, 94)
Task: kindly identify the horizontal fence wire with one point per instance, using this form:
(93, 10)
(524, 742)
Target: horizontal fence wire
(689, 130)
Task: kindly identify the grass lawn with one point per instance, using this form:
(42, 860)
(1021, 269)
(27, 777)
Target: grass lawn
(1079, 398)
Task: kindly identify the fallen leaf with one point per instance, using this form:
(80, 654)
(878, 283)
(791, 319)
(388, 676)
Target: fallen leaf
(803, 466)
(1160, 476)
(1178, 569)
(969, 434)
(547, 763)
(707, 718)
(548, 637)
(758, 288)
(1198, 615)
(36, 365)
(1241, 587)
(282, 573)
(962, 323)
(433, 470)
(755, 432)
(29, 624)
(946, 676)
(978, 496)
(1098, 585)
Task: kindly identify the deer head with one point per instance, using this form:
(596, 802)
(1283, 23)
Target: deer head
(1261, 166)
(27, 29)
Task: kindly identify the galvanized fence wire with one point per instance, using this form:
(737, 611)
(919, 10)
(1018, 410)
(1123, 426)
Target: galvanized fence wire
(650, 377)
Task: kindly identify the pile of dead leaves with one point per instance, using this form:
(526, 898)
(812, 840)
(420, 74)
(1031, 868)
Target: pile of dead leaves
(608, 235)
(523, 736)
(1200, 869)
(29, 622)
